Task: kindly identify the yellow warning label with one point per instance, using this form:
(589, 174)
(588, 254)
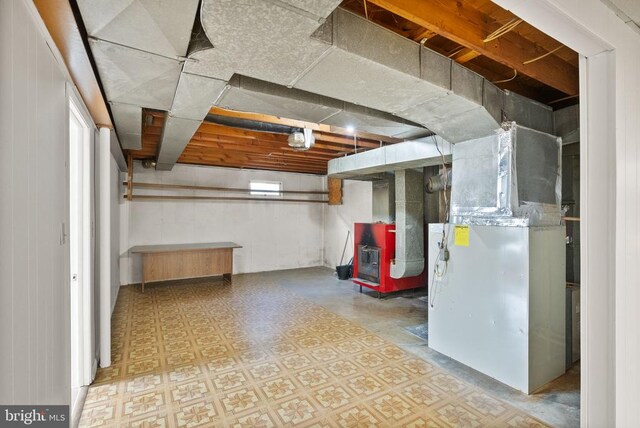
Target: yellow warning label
(461, 235)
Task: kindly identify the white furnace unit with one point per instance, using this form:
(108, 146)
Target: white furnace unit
(497, 272)
(498, 304)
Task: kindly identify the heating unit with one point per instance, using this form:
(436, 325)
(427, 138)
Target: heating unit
(374, 253)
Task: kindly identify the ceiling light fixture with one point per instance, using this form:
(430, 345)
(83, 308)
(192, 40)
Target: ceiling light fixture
(301, 139)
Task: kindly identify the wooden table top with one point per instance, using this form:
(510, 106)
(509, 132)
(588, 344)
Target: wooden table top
(182, 247)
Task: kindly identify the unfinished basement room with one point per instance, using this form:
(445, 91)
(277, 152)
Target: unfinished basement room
(319, 213)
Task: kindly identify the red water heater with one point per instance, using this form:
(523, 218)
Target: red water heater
(375, 250)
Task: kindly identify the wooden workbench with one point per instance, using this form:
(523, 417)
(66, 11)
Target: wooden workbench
(180, 261)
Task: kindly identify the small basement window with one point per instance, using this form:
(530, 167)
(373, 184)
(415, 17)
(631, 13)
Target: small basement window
(266, 188)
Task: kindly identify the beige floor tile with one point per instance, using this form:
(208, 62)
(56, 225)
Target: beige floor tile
(253, 354)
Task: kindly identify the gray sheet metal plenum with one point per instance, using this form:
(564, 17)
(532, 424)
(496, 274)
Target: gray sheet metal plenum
(510, 178)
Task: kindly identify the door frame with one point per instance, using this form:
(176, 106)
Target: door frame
(601, 39)
(83, 368)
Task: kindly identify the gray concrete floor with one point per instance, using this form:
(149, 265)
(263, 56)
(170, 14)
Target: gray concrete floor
(557, 404)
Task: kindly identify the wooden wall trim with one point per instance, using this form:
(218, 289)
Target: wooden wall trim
(58, 17)
(335, 191)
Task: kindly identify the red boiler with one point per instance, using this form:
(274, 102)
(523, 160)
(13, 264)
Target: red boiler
(375, 249)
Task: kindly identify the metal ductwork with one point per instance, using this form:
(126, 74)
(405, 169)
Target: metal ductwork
(193, 98)
(373, 164)
(247, 94)
(409, 259)
(301, 59)
(342, 56)
(566, 123)
(129, 120)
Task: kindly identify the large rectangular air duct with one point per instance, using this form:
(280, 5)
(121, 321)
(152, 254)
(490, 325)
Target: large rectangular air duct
(428, 151)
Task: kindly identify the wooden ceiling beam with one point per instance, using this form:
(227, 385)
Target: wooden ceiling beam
(246, 162)
(422, 34)
(219, 145)
(464, 55)
(255, 160)
(253, 149)
(255, 155)
(274, 141)
(239, 161)
(269, 143)
(249, 154)
(223, 164)
(318, 148)
(469, 27)
(215, 129)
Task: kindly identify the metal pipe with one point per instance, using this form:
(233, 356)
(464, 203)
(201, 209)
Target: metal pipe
(224, 198)
(253, 125)
(222, 189)
(438, 183)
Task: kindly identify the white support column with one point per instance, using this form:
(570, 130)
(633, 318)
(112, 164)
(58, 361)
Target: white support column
(105, 246)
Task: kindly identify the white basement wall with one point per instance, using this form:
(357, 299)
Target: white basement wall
(274, 235)
(339, 219)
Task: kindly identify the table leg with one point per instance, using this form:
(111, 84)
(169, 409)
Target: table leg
(143, 271)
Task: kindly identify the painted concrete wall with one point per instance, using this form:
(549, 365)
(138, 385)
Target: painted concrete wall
(274, 235)
(339, 219)
(34, 286)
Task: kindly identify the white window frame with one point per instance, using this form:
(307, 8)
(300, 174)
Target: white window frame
(267, 194)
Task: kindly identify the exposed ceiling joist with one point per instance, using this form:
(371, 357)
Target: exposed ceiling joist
(464, 55)
(469, 27)
(220, 145)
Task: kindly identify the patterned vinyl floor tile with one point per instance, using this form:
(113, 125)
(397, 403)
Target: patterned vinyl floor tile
(252, 354)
